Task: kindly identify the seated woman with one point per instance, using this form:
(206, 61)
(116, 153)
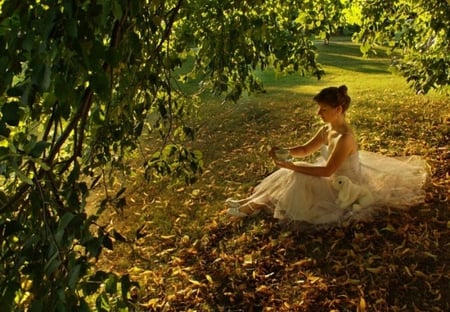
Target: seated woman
(301, 191)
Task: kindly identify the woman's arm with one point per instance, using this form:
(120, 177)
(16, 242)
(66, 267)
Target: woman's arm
(344, 147)
(312, 145)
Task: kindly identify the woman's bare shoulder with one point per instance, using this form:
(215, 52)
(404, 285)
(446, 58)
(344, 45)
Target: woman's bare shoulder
(348, 140)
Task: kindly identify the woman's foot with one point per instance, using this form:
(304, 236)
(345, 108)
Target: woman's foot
(242, 211)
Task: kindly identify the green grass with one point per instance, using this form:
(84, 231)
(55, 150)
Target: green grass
(189, 255)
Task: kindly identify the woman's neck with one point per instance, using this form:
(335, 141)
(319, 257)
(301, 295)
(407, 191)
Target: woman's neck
(340, 126)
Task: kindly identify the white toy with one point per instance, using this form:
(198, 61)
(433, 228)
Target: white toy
(351, 194)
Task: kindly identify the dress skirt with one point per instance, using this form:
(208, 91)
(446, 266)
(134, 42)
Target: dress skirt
(394, 183)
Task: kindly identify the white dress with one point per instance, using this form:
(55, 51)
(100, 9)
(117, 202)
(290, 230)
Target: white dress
(393, 182)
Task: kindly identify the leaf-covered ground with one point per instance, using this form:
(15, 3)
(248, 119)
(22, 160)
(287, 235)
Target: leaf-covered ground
(187, 255)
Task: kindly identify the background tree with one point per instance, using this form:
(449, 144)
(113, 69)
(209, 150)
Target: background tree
(418, 33)
(81, 82)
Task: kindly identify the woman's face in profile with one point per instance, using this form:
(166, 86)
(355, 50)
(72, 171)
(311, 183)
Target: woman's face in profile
(326, 112)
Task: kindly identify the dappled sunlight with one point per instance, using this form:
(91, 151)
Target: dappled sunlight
(187, 253)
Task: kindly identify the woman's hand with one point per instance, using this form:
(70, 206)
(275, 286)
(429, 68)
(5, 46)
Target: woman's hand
(278, 162)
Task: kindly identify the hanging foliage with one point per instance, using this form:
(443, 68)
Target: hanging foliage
(417, 32)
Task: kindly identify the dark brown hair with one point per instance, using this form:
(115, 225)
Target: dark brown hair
(334, 96)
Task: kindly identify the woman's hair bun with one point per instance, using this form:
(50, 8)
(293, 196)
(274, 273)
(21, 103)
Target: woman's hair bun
(334, 96)
(343, 90)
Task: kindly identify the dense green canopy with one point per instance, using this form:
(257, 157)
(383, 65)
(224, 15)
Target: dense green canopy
(418, 33)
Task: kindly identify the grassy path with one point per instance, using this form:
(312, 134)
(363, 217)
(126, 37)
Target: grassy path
(188, 256)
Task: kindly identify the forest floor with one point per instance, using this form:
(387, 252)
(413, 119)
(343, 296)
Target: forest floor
(188, 255)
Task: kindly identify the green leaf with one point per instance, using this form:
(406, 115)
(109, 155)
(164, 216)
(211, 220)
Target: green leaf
(117, 10)
(102, 303)
(162, 110)
(8, 295)
(125, 284)
(2, 197)
(37, 306)
(99, 83)
(84, 307)
(17, 90)
(119, 237)
(111, 284)
(169, 151)
(121, 203)
(135, 41)
(72, 28)
(65, 94)
(28, 96)
(65, 220)
(120, 192)
(113, 57)
(93, 247)
(38, 149)
(107, 242)
(4, 131)
(22, 176)
(41, 76)
(11, 228)
(11, 113)
(52, 264)
(189, 132)
(93, 282)
(74, 276)
(36, 201)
